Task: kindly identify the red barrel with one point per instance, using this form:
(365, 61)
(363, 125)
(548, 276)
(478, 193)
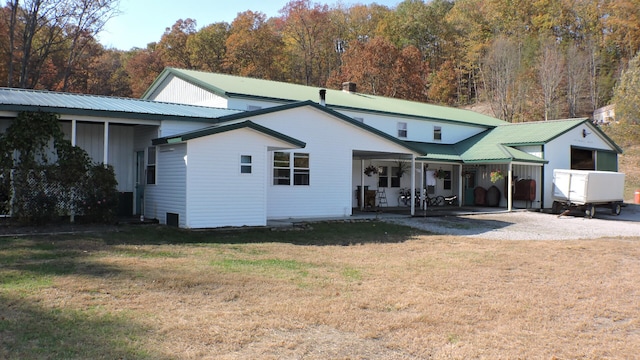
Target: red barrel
(636, 199)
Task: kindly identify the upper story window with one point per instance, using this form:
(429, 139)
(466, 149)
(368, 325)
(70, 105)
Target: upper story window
(287, 166)
(402, 129)
(245, 164)
(151, 165)
(437, 133)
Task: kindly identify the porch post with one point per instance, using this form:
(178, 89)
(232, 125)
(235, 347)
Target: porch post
(423, 191)
(509, 187)
(73, 132)
(460, 184)
(413, 185)
(105, 159)
(362, 185)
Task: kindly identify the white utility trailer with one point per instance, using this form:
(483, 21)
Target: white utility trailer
(586, 190)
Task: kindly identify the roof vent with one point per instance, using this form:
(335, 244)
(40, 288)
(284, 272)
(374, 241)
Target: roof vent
(349, 87)
(323, 97)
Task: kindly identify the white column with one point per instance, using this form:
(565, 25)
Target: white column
(362, 184)
(74, 130)
(460, 189)
(510, 188)
(105, 159)
(413, 185)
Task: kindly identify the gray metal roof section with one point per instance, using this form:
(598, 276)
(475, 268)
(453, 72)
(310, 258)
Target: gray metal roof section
(104, 106)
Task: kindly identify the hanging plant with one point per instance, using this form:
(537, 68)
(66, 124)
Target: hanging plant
(496, 175)
(403, 166)
(370, 170)
(439, 174)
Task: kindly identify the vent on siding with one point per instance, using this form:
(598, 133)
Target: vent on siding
(173, 219)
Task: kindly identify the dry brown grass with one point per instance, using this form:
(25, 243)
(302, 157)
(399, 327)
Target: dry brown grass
(429, 297)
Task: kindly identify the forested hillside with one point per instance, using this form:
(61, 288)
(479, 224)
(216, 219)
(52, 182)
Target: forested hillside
(526, 59)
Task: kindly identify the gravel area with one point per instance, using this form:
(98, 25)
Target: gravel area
(528, 225)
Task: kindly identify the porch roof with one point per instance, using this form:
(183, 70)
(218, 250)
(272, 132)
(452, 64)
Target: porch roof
(243, 87)
(16, 100)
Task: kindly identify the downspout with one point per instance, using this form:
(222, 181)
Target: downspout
(74, 127)
(105, 159)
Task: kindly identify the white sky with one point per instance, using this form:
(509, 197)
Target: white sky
(144, 21)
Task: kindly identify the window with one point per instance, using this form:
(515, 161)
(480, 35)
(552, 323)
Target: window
(437, 133)
(281, 168)
(300, 169)
(395, 179)
(245, 164)
(151, 165)
(283, 171)
(447, 180)
(383, 177)
(402, 129)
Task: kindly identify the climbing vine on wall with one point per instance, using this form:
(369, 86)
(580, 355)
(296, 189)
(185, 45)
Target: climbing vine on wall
(44, 177)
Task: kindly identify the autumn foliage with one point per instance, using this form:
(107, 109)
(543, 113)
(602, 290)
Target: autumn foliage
(529, 60)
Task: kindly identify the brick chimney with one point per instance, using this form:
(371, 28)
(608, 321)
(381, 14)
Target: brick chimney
(349, 87)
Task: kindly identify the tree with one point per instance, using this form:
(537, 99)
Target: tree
(207, 48)
(501, 70)
(627, 94)
(86, 19)
(40, 29)
(306, 32)
(577, 71)
(173, 44)
(254, 49)
(550, 73)
(379, 68)
(143, 66)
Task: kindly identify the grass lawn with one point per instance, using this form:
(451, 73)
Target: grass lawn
(364, 290)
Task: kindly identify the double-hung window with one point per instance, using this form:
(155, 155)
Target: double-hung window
(287, 166)
(437, 133)
(245, 164)
(151, 165)
(402, 129)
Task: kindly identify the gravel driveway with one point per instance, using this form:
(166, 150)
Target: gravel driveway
(528, 225)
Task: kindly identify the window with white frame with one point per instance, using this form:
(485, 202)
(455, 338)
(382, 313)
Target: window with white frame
(245, 164)
(402, 129)
(151, 165)
(383, 177)
(437, 133)
(287, 166)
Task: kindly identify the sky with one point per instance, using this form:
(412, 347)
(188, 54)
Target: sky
(144, 21)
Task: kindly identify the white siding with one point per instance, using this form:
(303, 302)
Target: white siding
(218, 194)
(330, 143)
(418, 130)
(558, 152)
(173, 127)
(168, 194)
(179, 91)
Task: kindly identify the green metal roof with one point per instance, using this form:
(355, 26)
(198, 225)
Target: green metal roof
(437, 152)
(243, 87)
(228, 126)
(105, 106)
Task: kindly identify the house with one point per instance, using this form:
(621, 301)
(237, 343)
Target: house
(605, 115)
(210, 150)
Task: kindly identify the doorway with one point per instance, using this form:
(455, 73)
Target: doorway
(469, 183)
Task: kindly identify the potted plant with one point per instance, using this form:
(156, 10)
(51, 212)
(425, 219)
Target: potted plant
(402, 168)
(370, 170)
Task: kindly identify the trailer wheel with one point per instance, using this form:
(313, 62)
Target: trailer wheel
(556, 208)
(616, 208)
(590, 210)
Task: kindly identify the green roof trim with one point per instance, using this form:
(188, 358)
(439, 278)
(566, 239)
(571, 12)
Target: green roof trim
(225, 127)
(17, 100)
(249, 88)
